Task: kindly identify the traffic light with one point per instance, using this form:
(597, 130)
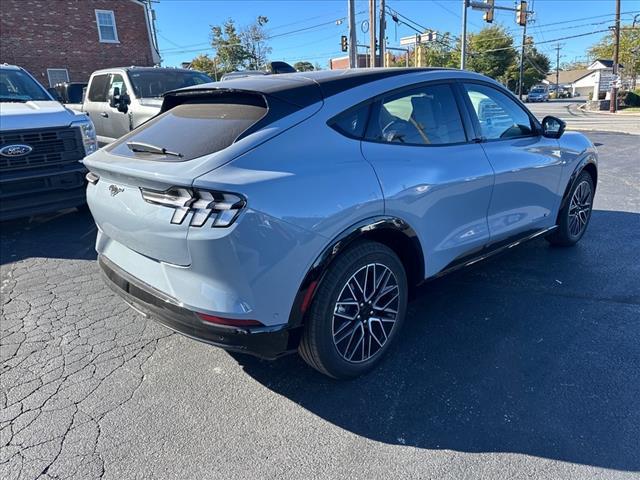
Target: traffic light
(488, 14)
(521, 14)
(344, 45)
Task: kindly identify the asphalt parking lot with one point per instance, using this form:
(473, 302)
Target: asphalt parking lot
(525, 366)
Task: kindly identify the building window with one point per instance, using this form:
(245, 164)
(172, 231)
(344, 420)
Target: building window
(106, 21)
(57, 75)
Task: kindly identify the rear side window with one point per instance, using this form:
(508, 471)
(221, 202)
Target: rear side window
(98, 88)
(351, 123)
(192, 130)
(426, 115)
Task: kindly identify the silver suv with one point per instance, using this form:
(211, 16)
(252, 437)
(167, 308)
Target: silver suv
(294, 212)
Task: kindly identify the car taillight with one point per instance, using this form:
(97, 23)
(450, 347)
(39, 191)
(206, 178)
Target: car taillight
(230, 322)
(224, 207)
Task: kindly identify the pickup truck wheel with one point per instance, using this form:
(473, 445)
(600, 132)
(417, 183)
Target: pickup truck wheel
(356, 313)
(574, 216)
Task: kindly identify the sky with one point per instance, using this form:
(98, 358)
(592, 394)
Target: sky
(310, 30)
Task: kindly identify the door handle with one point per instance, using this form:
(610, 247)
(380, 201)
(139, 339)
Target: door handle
(104, 114)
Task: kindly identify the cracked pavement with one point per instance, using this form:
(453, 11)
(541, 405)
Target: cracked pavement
(525, 366)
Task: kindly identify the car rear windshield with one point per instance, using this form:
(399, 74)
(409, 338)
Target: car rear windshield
(17, 86)
(192, 129)
(154, 83)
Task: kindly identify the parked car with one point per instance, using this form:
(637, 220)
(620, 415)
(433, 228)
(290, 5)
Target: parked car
(70, 94)
(538, 93)
(295, 212)
(120, 99)
(41, 146)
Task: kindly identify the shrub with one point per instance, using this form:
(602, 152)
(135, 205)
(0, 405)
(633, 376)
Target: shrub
(631, 99)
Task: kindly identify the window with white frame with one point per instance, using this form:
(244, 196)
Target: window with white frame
(57, 75)
(106, 21)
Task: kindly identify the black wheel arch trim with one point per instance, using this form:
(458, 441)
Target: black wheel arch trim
(320, 266)
(582, 165)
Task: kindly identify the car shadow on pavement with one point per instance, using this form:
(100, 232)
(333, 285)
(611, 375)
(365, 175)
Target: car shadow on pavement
(67, 234)
(534, 352)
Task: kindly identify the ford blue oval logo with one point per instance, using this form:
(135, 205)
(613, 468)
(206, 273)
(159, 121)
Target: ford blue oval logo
(15, 150)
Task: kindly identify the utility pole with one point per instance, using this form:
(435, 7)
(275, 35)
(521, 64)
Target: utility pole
(613, 102)
(463, 41)
(557, 70)
(522, 15)
(353, 41)
(372, 33)
(521, 75)
(382, 35)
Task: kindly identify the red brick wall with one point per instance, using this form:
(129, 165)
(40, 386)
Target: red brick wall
(41, 34)
(343, 62)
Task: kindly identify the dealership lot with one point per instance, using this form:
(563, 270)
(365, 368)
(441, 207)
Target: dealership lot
(524, 366)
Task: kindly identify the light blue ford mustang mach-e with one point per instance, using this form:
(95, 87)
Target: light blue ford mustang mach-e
(294, 212)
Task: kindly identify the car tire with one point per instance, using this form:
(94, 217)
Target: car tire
(574, 216)
(352, 322)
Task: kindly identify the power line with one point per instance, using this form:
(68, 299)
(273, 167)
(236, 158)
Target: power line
(298, 22)
(546, 41)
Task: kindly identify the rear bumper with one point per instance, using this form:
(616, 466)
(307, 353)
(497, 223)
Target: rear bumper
(267, 342)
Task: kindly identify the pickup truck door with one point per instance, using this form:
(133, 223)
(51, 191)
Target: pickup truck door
(95, 105)
(116, 123)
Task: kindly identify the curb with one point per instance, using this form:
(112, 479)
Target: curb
(600, 112)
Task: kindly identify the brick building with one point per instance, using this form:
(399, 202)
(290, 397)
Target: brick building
(341, 63)
(66, 40)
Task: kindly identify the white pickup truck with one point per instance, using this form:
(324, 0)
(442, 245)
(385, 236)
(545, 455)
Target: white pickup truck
(41, 146)
(120, 99)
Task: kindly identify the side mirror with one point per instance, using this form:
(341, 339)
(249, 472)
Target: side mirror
(552, 127)
(123, 103)
(114, 97)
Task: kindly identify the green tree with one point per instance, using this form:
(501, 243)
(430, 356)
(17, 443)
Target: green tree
(491, 52)
(303, 66)
(536, 68)
(206, 64)
(574, 65)
(628, 53)
(231, 55)
(440, 53)
(253, 39)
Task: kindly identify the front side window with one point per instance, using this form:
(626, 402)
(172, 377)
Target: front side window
(106, 21)
(427, 115)
(498, 115)
(98, 88)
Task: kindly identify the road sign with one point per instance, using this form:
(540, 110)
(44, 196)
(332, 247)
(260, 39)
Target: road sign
(425, 37)
(606, 79)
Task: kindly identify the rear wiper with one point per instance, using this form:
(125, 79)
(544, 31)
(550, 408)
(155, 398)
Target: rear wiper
(140, 147)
